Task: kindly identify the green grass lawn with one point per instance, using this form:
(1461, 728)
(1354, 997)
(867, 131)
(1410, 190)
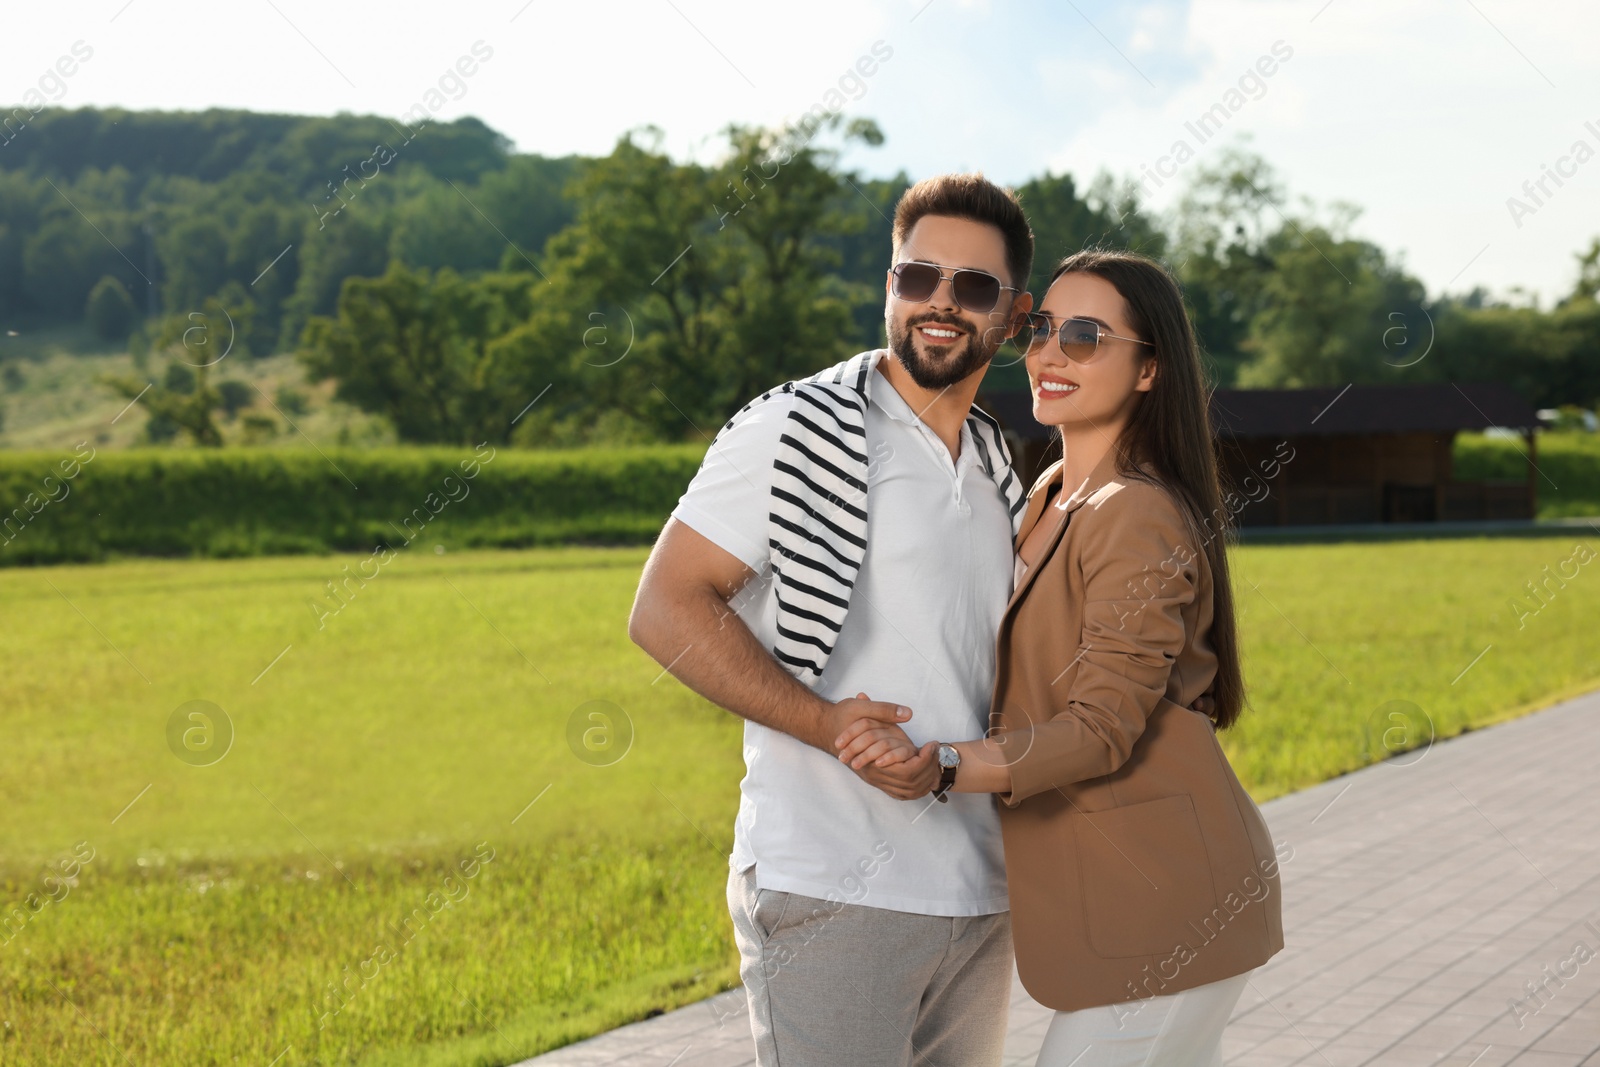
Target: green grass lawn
(306, 892)
(381, 749)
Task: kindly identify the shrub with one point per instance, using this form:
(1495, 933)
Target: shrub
(235, 396)
(250, 501)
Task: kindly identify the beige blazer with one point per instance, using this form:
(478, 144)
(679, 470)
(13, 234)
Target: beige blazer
(1137, 864)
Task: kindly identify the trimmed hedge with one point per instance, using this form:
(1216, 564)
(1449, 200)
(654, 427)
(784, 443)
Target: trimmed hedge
(249, 502)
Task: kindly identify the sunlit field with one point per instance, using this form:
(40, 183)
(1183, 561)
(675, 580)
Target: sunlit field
(462, 820)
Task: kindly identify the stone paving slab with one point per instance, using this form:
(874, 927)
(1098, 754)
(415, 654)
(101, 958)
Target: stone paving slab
(1432, 905)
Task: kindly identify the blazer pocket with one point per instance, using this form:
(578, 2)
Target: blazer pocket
(1145, 874)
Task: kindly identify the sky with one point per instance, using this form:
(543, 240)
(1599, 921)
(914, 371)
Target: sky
(1430, 116)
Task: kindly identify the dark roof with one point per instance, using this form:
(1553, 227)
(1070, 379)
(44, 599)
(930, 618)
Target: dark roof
(1367, 409)
(1355, 409)
(1014, 409)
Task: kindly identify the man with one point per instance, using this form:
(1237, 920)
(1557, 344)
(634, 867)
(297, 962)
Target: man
(860, 525)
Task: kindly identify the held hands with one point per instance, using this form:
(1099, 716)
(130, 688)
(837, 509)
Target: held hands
(878, 750)
(867, 742)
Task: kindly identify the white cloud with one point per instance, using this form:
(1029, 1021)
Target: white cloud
(1419, 111)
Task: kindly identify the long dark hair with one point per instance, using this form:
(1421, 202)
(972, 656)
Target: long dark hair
(1169, 439)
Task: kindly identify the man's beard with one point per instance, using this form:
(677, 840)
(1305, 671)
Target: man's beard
(965, 356)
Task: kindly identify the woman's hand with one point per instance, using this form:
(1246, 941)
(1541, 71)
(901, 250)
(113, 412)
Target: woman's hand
(913, 777)
(870, 741)
(884, 757)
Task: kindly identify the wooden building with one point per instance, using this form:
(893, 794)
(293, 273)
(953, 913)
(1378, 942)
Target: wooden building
(1361, 454)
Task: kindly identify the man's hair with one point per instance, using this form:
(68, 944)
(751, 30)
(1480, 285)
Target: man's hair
(976, 198)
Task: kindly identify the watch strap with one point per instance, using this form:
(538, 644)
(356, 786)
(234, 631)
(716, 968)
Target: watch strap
(947, 781)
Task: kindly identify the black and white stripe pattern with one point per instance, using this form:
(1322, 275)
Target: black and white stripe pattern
(817, 528)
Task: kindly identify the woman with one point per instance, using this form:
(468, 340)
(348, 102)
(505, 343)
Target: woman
(1143, 880)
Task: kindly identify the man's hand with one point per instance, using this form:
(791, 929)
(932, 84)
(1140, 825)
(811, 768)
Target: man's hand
(840, 715)
(898, 767)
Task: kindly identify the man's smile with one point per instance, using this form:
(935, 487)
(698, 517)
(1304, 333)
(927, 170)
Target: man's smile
(939, 334)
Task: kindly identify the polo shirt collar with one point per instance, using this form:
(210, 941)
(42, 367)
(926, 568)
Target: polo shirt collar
(894, 405)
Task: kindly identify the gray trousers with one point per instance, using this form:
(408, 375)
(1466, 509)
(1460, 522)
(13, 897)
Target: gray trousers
(832, 984)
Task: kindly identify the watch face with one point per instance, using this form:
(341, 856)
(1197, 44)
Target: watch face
(948, 756)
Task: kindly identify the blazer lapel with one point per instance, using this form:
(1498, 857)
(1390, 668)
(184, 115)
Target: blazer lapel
(1037, 511)
(1034, 506)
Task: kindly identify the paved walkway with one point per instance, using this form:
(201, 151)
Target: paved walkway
(1423, 900)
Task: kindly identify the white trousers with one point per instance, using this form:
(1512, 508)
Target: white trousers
(1177, 1030)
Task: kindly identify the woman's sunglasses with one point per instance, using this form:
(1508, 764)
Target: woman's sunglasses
(1080, 338)
(974, 290)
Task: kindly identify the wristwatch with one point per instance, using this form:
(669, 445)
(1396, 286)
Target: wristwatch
(949, 761)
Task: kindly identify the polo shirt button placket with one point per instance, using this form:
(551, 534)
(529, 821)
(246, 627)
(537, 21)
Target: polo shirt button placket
(962, 466)
(963, 508)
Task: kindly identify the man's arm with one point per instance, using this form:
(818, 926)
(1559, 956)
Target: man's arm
(682, 619)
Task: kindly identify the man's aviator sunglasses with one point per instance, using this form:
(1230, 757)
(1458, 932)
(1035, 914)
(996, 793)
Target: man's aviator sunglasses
(976, 291)
(1080, 338)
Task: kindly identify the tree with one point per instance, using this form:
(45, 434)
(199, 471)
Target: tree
(180, 378)
(1223, 253)
(863, 251)
(630, 255)
(1513, 345)
(786, 314)
(355, 244)
(525, 202)
(1282, 300)
(1577, 322)
(186, 400)
(438, 227)
(110, 310)
(172, 411)
(720, 274)
(219, 146)
(291, 400)
(160, 428)
(1065, 221)
(194, 258)
(61, 263)
(1588, 287)
(417, 349)
(264, 259)
(1325, 312)
(1551, 358)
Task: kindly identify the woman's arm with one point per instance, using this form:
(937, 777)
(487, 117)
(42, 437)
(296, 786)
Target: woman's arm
(1139, 571)
(984, 768)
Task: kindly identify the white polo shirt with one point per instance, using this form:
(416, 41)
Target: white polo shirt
(920, 631)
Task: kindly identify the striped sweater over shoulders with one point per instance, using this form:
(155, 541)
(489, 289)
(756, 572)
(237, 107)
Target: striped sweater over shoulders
(817, 523)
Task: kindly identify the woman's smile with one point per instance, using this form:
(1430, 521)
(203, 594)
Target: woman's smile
(1054, 387)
